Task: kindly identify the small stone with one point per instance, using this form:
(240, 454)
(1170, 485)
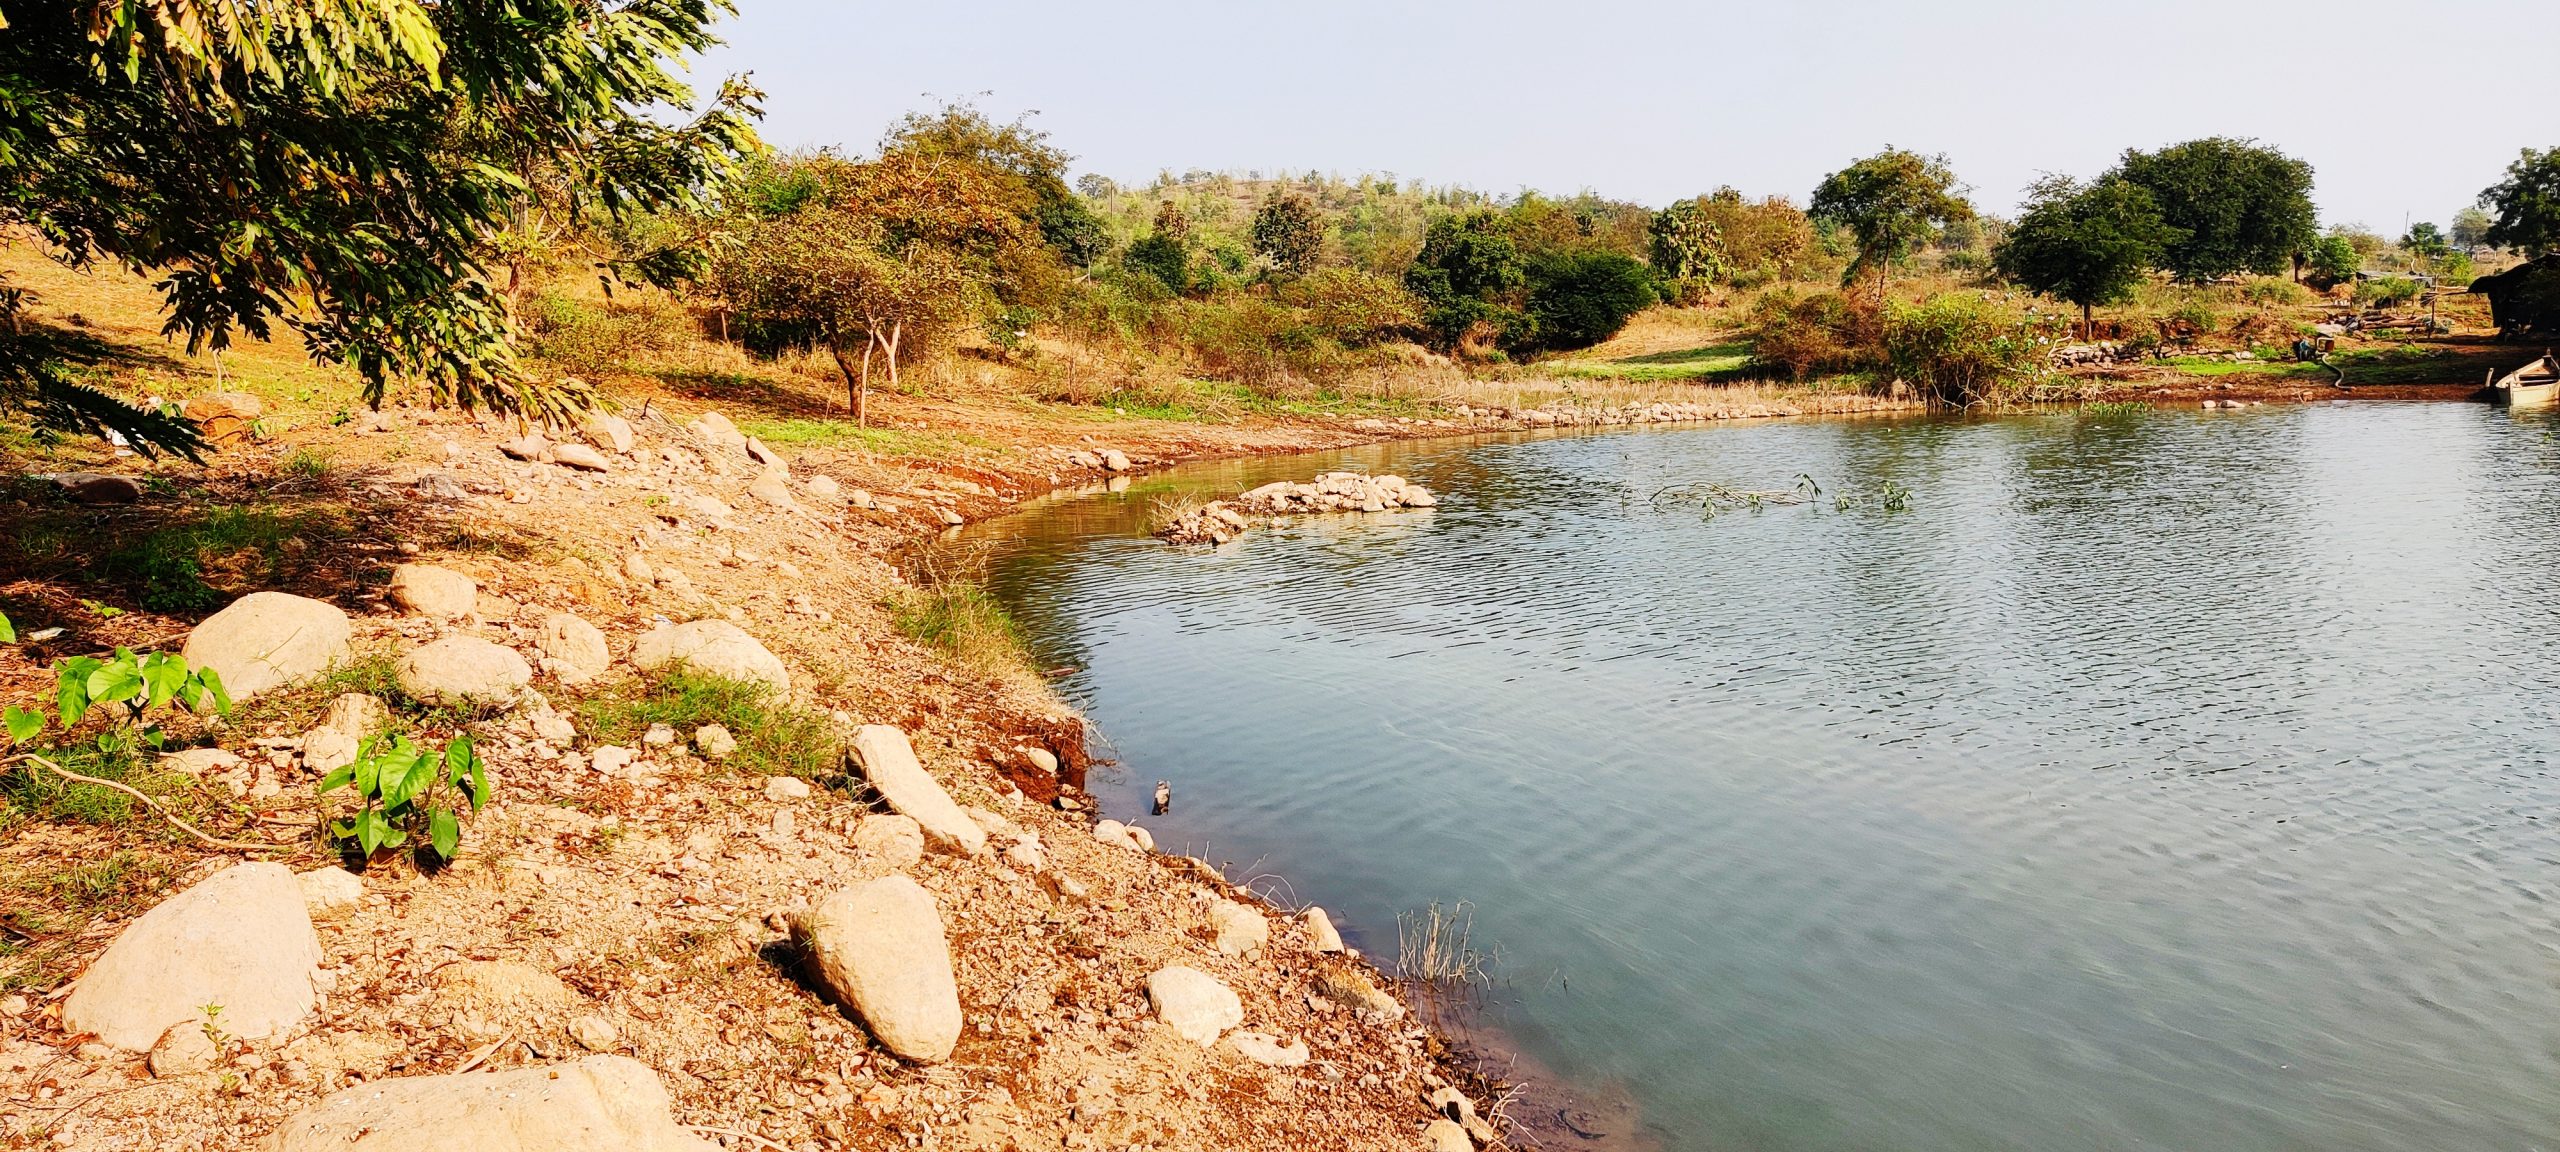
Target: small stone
(199, 762)
(432, 591)
(1041, 759)
(659, 736)
(576, 644)
(823, 486)
(1446, 1136)
(784, 789)
(1263, 1048)
(1354, 991)
(1241, 930)
(609, 432)
(92, 488)
(1115, 834)
(183, 1050)
(611, 759)
(1195, 1004)
(581, 457)
(714, 742)
(773, 486)
(329, 893)
(890, 839)
(757, 452)
(638, 568)
(715, 430)
(594, 1033)
(1115, 461)
(1321, 935)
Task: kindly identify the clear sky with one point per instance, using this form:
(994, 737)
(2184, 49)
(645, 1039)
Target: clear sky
(2407, 110)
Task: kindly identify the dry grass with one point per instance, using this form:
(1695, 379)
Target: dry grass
(1433, 947)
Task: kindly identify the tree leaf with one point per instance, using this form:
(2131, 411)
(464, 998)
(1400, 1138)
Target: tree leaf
(344, 775)
(369, 831)
(24, 725)
(212, 682)
(8, 631)
(444, 832)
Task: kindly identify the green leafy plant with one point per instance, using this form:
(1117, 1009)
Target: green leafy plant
(405, 790)
(139, 682)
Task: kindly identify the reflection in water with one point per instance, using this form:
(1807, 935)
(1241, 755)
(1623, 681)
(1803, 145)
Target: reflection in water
(2169, 781)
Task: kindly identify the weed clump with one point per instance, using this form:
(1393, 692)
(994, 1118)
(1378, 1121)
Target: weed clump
(774, 738)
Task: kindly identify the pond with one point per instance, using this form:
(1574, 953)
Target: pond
(2166, 780)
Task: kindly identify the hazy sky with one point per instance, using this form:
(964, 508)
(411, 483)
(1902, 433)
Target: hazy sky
(2407, 110)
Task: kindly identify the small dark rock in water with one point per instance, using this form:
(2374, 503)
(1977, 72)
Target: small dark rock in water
(1580, 1123)
(1164, 797)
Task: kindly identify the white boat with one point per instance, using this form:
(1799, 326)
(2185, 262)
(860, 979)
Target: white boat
(2534, 384)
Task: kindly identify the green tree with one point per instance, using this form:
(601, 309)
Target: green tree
(2332, 260)
(337, 168)
(1578, 299)
(1892, 203)
(2470, 228)
(2526, 205)
(1287, 234)
(1686, 244)
(2234, 206)
(2425, 239)
(1469, 274)
(2089, 244)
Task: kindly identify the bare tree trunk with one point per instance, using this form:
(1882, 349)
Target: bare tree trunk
(862, 400)
(895, 327)
(2088, 327)
(852, 384)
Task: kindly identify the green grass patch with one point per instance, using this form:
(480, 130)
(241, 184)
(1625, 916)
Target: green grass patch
(174, 568)
(964, 621)
(34, 794)
(774, 738)
(844, 433)
(1704, 364)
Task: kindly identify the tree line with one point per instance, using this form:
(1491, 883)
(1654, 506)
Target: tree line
(386, 179)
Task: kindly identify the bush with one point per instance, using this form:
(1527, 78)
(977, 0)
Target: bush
(1819, 333)
(590, 340)
(2273, 292)
(1163, 258)
(1355, 307)
(2197, 315)
(2388, 291)
(1960, 352)
(1579, 299)
(2332, 261)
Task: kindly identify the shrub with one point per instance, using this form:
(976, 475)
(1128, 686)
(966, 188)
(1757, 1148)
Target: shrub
(404, 790)
(1960, 352)
(1162, 257)
(2273, 292)
(2198, 315)
(1818, 333)
(611, 339)
(2331, 261)
(1355, 307)
(1579, 299)
(2388, 291)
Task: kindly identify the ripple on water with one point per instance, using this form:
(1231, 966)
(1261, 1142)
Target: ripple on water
(2159, 782)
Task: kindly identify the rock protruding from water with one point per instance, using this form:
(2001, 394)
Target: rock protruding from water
(241, 938)
(267, 640)
(1194, 1004)
(883, 758)
(1222, 520)
(878, 949)
(597, 1102)
(1356, 992)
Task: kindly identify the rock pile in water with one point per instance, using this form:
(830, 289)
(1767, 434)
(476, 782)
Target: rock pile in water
(1222, 520)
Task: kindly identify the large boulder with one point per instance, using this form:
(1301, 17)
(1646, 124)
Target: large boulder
(1197, 1007)
(714, 646)
(881, 755)
(267, 640)
(716, 432)
(878, 949)
(595, 1103)
(463, 669)
(576, 648)
(431, 591)
(240, 938)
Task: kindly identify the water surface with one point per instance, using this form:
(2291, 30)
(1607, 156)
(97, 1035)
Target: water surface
(2179, 780)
